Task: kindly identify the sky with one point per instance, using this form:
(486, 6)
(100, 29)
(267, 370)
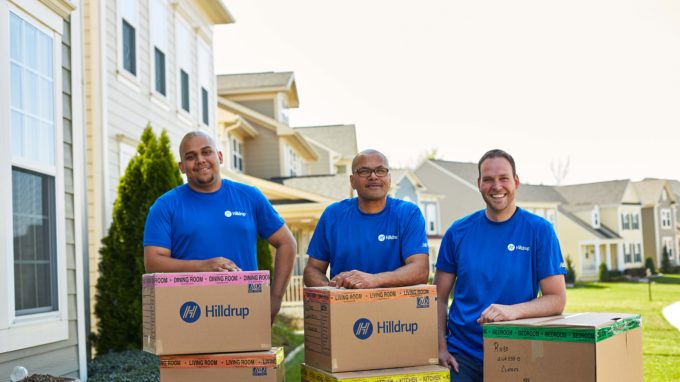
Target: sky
(591, 83)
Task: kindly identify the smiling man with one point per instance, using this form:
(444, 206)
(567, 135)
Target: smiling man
(211, 224)
(371, 241)
(499, 258)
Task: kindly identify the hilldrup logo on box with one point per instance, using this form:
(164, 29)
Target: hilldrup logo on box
(190, 311)
(363, 328)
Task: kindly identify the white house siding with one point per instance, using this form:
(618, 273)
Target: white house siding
(59, 358)
(120, 105)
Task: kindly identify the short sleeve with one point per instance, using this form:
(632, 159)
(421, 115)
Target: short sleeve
(157, 229)
(549, 256)
(268, 220)
(318, 246)
(446, 260)
(414, 237)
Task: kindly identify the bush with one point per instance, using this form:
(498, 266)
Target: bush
(150, 173)
(665, 261)
(636, 272)
(264, 256)
(128, 366)
(649, 264)
(570, 277)
(604, 273)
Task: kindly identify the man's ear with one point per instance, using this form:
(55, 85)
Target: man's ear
(219, 155)
(181, 167)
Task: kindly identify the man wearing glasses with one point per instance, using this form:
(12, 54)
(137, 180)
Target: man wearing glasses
(371, 241)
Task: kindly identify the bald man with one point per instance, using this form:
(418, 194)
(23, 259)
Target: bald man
(211, 224)
(371, 241)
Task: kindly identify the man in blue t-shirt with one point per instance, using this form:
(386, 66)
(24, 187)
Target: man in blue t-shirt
(371, 241)
(499, 259)
(211, 224)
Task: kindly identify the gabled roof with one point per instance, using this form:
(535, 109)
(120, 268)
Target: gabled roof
(603, 232)
(217, 11)
(467, 171)
(600, 193)
(340, 138)
(335, 187)
(649, 191)
(538, 193)
(254, 83)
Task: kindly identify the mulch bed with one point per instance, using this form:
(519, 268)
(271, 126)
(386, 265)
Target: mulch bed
(46, 378)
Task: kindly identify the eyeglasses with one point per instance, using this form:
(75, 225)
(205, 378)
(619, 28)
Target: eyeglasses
(365, 172)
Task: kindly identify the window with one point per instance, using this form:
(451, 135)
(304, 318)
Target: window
(184, 90)
(596, 217)
(668, 244)
(625, 221)
(638, 252)
(159, 70)
(128, 44)
(236, 148)
(431, 218)
(636, 221)
(292, 162)
(34, 170)
(205, 107)
(550, 215)
(627, 250)
(666, 222)
(159, 43)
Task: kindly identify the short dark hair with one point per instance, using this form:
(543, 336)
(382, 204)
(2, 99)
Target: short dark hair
(495, 153)
(366, 153)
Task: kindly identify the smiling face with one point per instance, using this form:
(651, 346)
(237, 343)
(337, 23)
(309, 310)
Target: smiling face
(201, 162)
(373, 187)
(498, 185)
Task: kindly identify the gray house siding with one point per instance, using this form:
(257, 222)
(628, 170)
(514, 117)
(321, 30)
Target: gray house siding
(265, 106)
(322, 166)
(407, 191)
(58, 358)
(461, 198)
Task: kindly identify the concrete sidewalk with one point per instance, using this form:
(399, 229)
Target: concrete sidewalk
(672, 314)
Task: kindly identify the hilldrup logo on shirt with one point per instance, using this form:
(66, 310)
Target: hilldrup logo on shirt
(190, 311)
(513, 247)
(383, 237)
(363, 328)
(229, 214)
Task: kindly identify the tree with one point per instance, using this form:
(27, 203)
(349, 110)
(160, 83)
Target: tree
(559, 170)
(665, 261)
(570, 277)
(150, 173)
(604, 273)
(264, 256)
(649, 264)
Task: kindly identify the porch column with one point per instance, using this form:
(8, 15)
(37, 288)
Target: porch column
(597, 257)
(609, 256)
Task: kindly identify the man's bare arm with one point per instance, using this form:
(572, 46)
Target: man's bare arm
(158, 259)
(315, 273)
(286, 249)
(414, 271)
(444, 282)
(551, 302)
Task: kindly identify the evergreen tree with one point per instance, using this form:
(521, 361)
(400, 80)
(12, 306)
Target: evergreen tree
(665, 261)
(570, 277)
(150, 173)
(264, 256)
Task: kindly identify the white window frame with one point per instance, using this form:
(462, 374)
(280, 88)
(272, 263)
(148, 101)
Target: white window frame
(128, 78)
(637, 252)
(635, 221)
(595, 217)
(627, 251)
(20, 332)
(431, 213)
(233, 143)
(625, 221)
(183, 53)
(292, 161)
(204, 81)
(667, 241)
(160, 42)
(666, 220)
(127, 149)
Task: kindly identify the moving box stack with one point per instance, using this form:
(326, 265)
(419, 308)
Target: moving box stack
(571, 347)
(210, 326)
(384, 334)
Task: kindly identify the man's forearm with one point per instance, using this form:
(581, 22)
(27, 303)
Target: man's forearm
(547, 305)
(412, 273)
(283, 267)
(315, 278)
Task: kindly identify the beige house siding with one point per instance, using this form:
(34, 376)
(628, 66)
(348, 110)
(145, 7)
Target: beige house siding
(263, 106)
(609, 217)
(323, 165)
(649, 233)
(59, 358)
(267, 163)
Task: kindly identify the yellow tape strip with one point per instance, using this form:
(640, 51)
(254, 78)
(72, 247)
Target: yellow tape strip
(310, 375)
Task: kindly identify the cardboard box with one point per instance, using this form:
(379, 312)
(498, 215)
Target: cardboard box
(577, 347)
(429, 373)
(266, 366)
(206, 312)
(362, 329)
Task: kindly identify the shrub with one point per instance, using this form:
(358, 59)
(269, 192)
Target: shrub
(636, 272)
(570, 277)
(264, 256)
(128, 366)
(665, 261)
(604, 273)
(649, 264)
(150, 173)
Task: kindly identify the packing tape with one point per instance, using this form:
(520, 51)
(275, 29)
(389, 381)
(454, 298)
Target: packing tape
(342, 296)
(204, 278)
(312, 375)
(222, 361)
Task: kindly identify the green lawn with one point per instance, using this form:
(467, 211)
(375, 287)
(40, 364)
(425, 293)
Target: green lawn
(660, 340)
(282, 335)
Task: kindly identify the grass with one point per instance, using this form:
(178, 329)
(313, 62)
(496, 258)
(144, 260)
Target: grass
(660, 340)
(283, 335)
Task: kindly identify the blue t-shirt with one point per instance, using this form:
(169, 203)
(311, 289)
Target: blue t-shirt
(494, 263)
(200, 226)
(373, 243)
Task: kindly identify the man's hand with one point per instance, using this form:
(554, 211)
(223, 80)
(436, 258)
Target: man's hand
(355, 280)
(498, 312)
(218, 264)
(447, 360)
